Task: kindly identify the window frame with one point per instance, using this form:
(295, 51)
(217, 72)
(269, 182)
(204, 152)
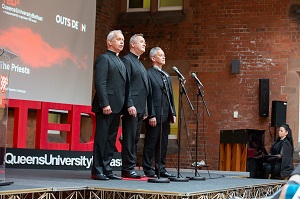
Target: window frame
(168, 8)
(137, 9)
(154, 4)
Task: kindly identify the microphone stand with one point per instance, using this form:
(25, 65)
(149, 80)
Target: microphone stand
(199, 93)
(182, 90)
(163, 89)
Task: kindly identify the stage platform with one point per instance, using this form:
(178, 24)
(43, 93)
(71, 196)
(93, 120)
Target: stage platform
(61, 184)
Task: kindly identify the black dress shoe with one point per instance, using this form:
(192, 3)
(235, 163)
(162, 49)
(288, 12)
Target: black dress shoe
(130, 174)
(167, 175)
(151, 175)
(100, 176)
(113, 177)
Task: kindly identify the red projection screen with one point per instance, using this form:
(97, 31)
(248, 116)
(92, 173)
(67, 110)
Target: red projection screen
(54, 42)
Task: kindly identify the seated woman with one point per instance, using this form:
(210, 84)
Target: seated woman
(280, 162)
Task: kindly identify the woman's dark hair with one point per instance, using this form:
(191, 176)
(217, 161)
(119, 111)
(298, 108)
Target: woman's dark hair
(289, 135)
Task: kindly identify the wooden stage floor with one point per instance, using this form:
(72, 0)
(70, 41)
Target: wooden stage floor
(54, 184)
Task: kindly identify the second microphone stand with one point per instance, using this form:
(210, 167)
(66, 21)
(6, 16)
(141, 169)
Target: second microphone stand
(199, 93)
(182, 91)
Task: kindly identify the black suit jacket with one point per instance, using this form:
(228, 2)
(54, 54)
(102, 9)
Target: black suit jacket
(138, 81)
(155, 95)
(110, 83)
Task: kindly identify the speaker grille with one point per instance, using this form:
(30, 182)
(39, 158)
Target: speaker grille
(263, 97)
(278, 113)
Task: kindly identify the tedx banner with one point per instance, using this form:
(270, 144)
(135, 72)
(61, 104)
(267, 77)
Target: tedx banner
(54, 159)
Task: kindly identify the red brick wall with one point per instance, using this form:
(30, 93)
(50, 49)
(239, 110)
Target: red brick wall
(105, 17)
(258, 33)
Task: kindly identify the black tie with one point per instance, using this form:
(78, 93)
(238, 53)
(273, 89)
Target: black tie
(121, 67)
(144, 74)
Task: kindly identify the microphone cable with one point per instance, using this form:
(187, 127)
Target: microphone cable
(189, 147)
(204, 147)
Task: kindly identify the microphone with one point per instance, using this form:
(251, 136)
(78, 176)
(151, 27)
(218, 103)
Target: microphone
(197, 80)
(161, 71)
(179, 74)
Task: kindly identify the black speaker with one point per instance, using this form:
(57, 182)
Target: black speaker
(278, 113)
(263, 97)
(235, 66)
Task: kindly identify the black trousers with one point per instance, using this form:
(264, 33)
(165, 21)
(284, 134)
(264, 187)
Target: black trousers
(151, 147)
(271, 168)
(131, 130)
(104, 142)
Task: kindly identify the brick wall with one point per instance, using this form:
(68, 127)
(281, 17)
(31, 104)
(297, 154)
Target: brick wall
(261, 34)
(105, 17)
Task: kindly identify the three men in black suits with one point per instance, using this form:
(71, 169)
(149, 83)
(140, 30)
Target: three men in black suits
(111, 97)
(161, 111)
(131, 126)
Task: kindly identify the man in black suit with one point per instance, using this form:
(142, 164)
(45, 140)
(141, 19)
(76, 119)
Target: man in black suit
(110, 80)
(161, 111)
(131, 126)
